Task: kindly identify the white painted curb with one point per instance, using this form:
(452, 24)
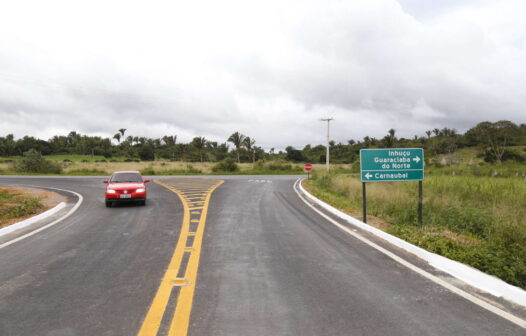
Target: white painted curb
(34, 219)
(469, 275)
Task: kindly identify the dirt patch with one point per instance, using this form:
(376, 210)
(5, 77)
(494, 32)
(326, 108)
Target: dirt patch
(371, 220)
(48, 199)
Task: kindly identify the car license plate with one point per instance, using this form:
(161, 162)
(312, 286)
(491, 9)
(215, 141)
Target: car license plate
(126, 196)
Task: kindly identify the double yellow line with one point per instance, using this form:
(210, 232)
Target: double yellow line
(181, 317)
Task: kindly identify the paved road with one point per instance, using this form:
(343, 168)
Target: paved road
(269, 265)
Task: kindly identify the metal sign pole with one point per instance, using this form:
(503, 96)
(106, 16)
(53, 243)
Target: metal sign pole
(420, 202)
(364, 202)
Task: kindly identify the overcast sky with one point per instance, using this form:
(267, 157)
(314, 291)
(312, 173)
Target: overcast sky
(269, 69)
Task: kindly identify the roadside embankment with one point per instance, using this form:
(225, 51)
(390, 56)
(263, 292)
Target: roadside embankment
(20, 203)
(479, 221)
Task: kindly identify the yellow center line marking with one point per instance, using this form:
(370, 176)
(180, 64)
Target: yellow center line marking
(152, 321)
(181, 318)
(183, 309)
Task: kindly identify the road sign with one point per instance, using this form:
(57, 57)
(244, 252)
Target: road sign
(308, 167)
(392, 164)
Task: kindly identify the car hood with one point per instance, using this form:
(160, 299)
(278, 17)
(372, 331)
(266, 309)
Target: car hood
(125, 186)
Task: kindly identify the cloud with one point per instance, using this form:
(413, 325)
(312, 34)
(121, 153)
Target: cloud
(269, 69)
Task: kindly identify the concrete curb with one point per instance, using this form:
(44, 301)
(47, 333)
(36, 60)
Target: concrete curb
(34, 219)
(469, 275)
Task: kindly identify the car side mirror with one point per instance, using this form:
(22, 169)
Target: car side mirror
(105, 181)
(147, 180)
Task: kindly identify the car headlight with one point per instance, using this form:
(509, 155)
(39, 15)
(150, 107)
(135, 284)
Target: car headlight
(110, 191)
(140, 190)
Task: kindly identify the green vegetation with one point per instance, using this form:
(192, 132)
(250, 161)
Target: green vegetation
(225, 166)
(33, 162)
(14, 205)
(87, 172)
(491, 142)
(477, 220)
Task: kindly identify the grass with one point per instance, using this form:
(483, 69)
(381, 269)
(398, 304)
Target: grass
(508, 169)
(13, 205)
(477, 220)
(168, 168)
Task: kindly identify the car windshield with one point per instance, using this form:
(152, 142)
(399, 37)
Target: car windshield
(126, 177)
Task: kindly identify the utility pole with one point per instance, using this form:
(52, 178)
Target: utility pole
(328, 120)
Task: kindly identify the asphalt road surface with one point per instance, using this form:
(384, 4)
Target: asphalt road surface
(243, 257)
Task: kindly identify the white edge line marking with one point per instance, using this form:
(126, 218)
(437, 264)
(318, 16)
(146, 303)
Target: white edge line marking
(31, 220)
(79, 202)
(512, 318)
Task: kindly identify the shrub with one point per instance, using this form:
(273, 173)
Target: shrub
(33, 162)
(275, 166)
(93, 172)
(227, 165)
(148, 171)
(191, 169)
(508, 155)
(278, 166)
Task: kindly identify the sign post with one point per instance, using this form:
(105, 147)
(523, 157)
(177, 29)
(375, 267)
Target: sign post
(308, 168)
(392, 165)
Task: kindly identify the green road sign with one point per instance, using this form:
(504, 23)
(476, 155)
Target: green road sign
(392, 164)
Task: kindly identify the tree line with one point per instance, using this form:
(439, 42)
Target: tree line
(492, 138)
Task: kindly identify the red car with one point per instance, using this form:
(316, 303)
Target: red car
(126, 186)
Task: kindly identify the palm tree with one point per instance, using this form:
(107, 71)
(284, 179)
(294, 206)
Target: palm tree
(249, 145)
(199, 143)
(237, 139)
(390, 138)
(117, 136)
(173, 147)
(428, 134)
(170, 141)
(122, 130)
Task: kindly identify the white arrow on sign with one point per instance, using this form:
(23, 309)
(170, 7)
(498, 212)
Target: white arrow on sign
(416, 159)
(368, 176)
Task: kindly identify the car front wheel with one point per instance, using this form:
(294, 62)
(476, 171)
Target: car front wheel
(108, 204)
